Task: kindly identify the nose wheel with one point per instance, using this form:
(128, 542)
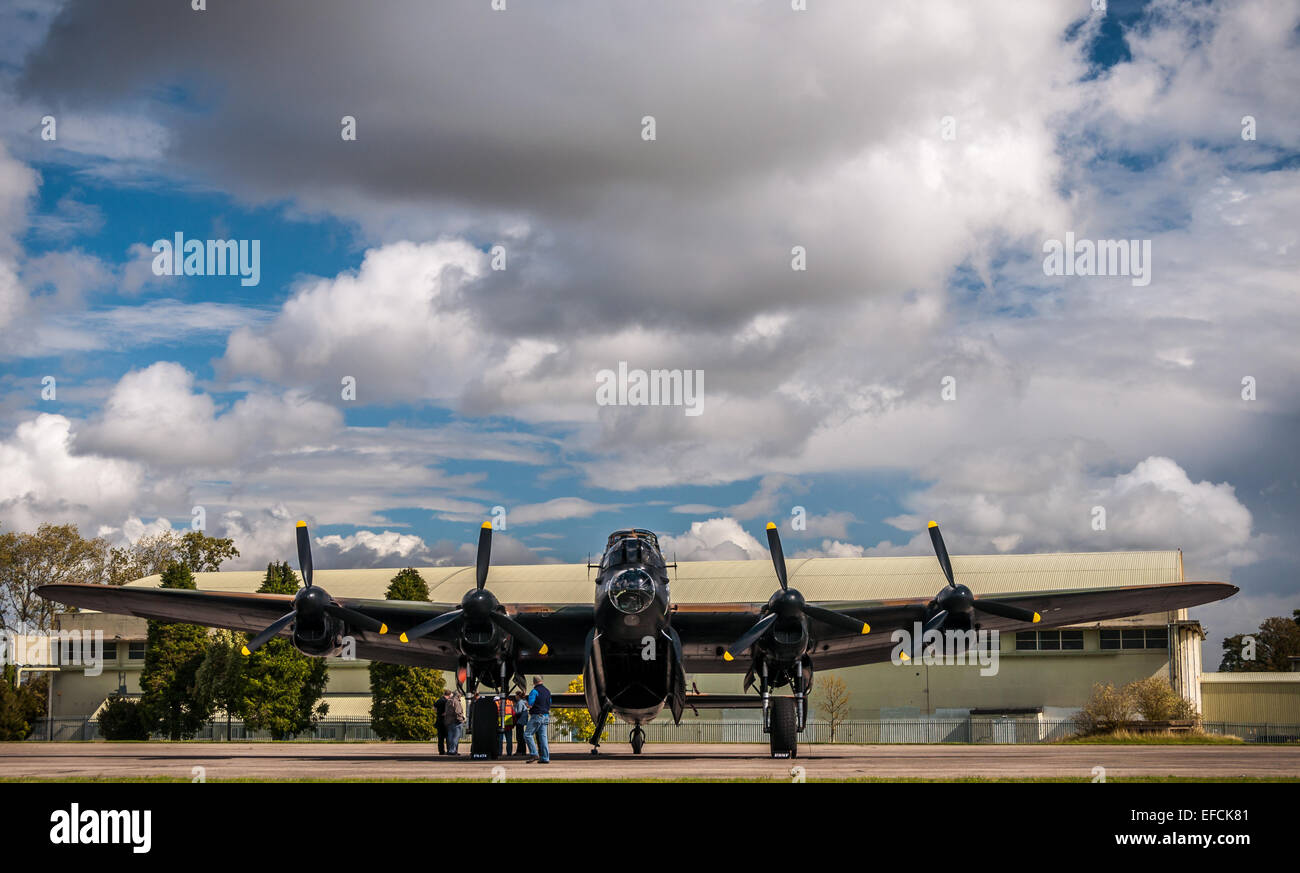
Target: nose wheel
(637, 739)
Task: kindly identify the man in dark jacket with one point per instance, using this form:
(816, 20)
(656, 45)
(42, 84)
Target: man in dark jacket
(440, 709)
(539, 716)
(521, 721)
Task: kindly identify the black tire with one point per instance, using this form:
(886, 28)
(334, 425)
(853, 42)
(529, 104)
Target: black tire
(784, 732)
(484, 742)
(638, 740)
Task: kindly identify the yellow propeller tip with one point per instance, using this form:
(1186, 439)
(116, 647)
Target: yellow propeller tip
(904, 656)
(933, 524)
(866, 628)
(245, 650)
(487, 524)
(403, 638)
(726, 656)
(383, 628)
(543, 650)
(1037, 618)
(771, 525)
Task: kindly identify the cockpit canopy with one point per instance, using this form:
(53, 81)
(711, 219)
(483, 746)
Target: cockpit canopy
(633, 532)
(632, 546)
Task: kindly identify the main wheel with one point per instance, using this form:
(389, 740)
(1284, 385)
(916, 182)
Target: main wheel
(638, 739)
(484, 741)
(784, 731)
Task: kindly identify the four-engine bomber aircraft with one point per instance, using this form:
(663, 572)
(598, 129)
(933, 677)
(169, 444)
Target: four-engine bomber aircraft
(633, 647)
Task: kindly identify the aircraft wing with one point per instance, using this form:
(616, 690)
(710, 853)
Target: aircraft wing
(564, 628)
(698, 701)
(705, 629)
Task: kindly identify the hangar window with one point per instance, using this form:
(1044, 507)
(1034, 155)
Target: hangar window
(135, 651)
(1138, 638)
(110, 651)
(1049, 641)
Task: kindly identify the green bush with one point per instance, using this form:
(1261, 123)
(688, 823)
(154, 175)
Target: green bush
(122, 719)
(1111, 709)
(1107, 709)
(20, 704)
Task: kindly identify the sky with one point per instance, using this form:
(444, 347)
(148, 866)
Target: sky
(838, 218)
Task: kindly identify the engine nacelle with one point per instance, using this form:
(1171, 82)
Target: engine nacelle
(320, 638)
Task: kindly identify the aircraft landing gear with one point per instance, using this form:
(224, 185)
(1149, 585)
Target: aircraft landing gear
(637, 739)
(600, 729)
(784, 729)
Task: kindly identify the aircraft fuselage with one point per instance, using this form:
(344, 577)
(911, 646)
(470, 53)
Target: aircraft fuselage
(632, 663)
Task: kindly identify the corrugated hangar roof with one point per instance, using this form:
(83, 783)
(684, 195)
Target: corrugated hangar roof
(820, 579)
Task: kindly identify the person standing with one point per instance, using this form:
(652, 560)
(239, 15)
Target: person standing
(455, 721)
(506, 712)
(539, 717)
(521, 722)
(439, 728)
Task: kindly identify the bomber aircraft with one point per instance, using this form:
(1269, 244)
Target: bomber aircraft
(633, 646)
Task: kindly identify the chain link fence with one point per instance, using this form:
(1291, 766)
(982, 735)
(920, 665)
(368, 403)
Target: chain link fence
(922, 730)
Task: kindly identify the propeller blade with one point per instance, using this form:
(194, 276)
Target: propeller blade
(749, 637)
(433, 624)
(304, 553)
(1006, 610)
(522, 635)
(942, 552)
(778, 555)
(357, 619)
(836, 619)
(484, 554)
(261, 639)
(934, 622)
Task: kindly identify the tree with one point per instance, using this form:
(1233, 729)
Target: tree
(577, 721)
(151, 554)
(172, 657)
(1155, 700)
(1107, 710)
(402, 698)
(122, 719)
(1276, 642)
(53, 554)
(219, 682)
(20, 705)
(283, 687)
(832, 698)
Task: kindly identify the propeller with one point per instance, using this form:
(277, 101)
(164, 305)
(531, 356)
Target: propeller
(789, 603)
(959, 600)
(480, 605)
(311, 603)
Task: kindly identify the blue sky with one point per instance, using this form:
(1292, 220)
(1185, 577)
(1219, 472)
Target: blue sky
(476, 388)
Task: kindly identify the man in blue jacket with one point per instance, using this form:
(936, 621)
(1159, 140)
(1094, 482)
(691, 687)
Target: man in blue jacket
(539, 716)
